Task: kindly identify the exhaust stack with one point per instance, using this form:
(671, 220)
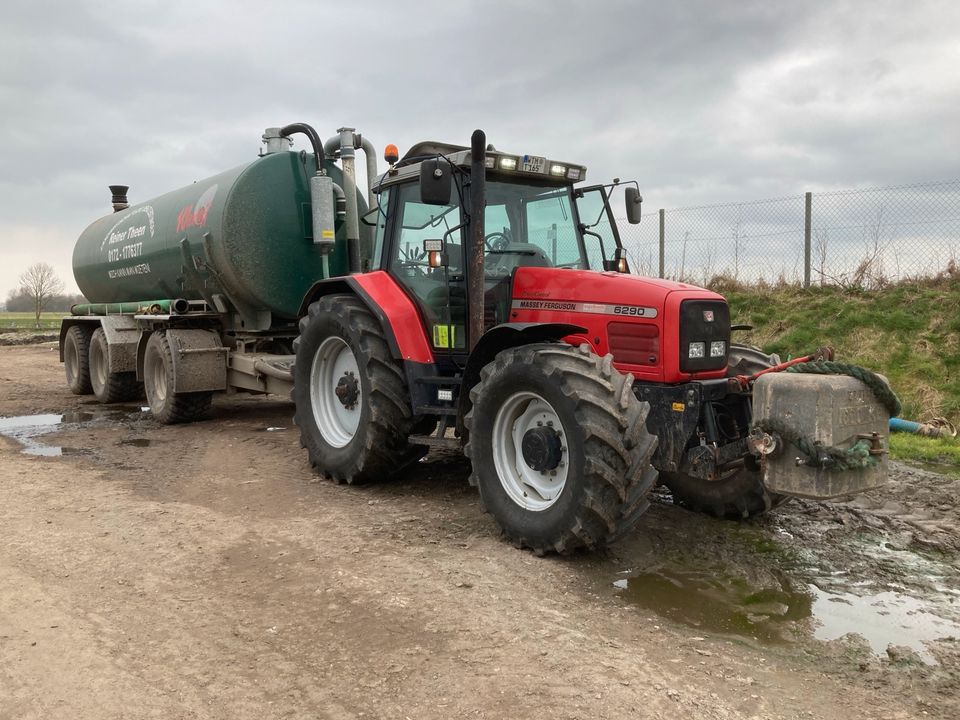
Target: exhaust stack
(119, 198)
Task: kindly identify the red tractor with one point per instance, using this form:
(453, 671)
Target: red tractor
(499, 314)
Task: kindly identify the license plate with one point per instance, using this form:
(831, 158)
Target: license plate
(533, 163)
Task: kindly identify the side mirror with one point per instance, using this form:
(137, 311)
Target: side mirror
(633, 199)
(435, 182)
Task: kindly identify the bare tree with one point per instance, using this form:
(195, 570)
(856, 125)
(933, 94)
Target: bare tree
(40, 284)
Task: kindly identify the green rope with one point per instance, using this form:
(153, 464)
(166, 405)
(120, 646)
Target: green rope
(816, 454)
(880, 389)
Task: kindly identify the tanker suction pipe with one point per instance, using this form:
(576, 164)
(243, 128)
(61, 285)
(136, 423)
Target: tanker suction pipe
(315, 142)
(347, 158)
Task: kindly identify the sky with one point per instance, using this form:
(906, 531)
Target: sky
(701, 102)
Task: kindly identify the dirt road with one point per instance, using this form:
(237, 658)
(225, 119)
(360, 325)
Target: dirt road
(202, 571)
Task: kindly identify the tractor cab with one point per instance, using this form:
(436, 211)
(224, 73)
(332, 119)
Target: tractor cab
(534, 217)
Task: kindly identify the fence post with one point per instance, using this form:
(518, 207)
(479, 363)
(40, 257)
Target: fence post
(661, 243)
(808, 205)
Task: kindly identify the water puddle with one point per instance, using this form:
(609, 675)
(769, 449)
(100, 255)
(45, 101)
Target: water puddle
(883, 618)
(29, 429)
(775, 594)
(714, 603)
(135, 442)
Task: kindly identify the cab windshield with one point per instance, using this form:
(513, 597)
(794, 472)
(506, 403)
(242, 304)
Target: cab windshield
(534, 225)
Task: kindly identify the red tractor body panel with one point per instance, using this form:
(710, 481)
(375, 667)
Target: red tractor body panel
(401, 314)
(634, 318)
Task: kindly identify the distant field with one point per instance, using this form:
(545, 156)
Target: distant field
(24, 321)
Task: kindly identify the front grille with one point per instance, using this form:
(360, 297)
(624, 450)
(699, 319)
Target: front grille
(694, 328)
(634, 343)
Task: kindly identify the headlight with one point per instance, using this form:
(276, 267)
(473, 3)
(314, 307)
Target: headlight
(717, 348)
(696, 350)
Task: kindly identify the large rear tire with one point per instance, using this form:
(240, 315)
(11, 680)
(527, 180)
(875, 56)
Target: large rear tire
(166, 406)
(742, 494)
(559, 447)
(110, 387)
(76, 359)
(351, 396)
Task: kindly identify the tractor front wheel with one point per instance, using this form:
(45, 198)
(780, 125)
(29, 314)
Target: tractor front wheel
(559, 447)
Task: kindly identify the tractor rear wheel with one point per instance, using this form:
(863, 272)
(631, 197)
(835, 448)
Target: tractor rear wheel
(76, 359)
(351, 396)
(559, 447)
(110, 387)
(741, 494)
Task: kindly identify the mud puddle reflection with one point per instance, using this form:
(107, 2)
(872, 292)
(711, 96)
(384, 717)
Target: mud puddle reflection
(29, 430)
(777, 595)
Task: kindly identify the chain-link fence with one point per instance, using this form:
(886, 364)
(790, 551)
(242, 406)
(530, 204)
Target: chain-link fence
(863, 238)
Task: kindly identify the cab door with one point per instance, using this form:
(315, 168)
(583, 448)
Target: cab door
(440, 292)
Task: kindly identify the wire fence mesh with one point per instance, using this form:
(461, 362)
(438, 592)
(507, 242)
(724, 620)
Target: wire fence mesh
(863, 238)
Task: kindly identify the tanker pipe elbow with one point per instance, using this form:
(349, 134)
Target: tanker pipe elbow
(370, 153)
(341, 201)
(315, 142)
(331, 147)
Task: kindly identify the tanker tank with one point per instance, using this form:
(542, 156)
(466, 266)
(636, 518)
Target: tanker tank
(241, 240)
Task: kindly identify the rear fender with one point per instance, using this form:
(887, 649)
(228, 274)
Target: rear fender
(388, 303)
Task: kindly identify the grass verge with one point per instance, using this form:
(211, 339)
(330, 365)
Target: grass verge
(26, 322)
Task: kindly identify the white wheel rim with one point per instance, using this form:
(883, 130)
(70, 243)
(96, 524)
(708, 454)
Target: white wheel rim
(333, 363)
(531, 489)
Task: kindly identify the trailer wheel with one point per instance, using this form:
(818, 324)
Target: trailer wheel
(109, 387)
(351, 396)
(76, 359)
(559, 447)
(742, 494)
(166, 406)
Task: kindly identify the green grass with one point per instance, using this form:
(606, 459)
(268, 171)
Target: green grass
(940, 455)
(25, 321)
(909, 332)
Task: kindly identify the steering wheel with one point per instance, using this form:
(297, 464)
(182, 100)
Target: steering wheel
(496, 241)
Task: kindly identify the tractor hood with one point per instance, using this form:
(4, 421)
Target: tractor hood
(551, 285)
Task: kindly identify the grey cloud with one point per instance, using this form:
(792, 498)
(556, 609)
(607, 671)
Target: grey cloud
(700, 101)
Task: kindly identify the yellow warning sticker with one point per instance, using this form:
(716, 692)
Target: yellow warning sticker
(678, 407)
(444, 336)
(326, 233)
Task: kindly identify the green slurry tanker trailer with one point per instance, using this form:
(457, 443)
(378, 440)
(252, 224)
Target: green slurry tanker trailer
(467, 298)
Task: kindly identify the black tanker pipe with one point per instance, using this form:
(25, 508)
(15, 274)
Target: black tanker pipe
(478, 204)
(315, 141)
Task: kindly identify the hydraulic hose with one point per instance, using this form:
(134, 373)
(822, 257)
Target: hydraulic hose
(315, 142)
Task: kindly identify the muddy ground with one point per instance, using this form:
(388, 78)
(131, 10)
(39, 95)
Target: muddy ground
(202, 571)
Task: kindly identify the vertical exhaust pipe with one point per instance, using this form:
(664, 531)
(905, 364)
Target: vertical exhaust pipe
(119, 197)
(478, 204)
